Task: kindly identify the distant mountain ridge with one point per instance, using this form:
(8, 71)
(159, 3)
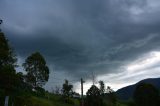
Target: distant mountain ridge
(126, 93)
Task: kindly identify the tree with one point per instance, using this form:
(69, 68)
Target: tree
(7, 66)
(1, 21)
(11, 83)
(102, 87)
(111, 96)
(7, 57)
(93, 97)
(8, 79)
(67, 92)
(37, 70)
(109, 90)
(67, 89)
(146, 95)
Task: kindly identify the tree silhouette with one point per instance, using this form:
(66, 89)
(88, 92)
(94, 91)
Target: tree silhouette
(1, 21)
(7, 64)
(111, 96)
(93, 97)
(37, 70)
(146, 95)
(67, 92)
(67, 89)
(102, 87)
(7, 57)
(9, 80)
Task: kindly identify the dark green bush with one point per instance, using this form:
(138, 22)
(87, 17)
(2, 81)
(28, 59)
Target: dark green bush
(2, 96)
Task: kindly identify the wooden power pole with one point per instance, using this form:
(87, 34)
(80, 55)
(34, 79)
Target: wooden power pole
(82, 99)
(93, 78)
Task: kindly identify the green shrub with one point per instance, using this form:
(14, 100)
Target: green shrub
(40, 92)
(2, 96)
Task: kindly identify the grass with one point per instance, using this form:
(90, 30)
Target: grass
(48, 100)
(56, 101)
(52, 100)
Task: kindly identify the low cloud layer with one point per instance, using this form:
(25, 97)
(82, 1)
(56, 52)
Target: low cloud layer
(81, 37)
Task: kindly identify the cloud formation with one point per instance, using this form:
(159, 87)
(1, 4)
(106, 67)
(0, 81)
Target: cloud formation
(81, 37)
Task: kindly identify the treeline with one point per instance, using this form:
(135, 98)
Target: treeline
(100, 96)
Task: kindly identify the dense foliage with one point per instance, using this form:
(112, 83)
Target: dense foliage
(93, 97)
(146, 95)
(7, 57)
(37, 70)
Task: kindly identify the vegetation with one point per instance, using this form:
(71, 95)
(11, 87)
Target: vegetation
(7, 56)
(93, 97)
(67, 92)
(37, 71)
(111, 97)
(146, 95)
(102, 87)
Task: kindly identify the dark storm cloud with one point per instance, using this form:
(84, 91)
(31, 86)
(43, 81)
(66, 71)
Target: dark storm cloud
(83, 36)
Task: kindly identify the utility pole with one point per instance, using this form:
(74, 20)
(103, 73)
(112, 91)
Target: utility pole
(93, 78)
(82, 99)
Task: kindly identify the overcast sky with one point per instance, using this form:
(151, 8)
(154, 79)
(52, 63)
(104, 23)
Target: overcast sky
(117, 40)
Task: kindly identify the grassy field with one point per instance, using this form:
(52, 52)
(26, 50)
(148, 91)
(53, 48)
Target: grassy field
(47, 102)
(51, 100)
(55, 100)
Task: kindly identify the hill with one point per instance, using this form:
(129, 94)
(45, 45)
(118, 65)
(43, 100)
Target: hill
(126, 93)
